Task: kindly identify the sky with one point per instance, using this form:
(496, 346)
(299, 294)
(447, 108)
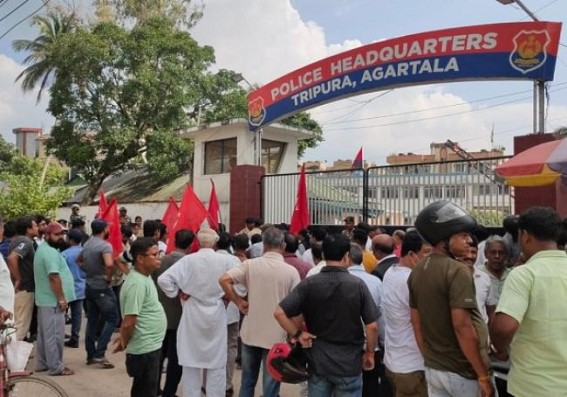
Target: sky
(265, 39)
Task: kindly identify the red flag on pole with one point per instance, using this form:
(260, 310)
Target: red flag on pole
(357, 163)
(192, 213)
(114, 233)
(300, 218)
(170, 215)
(214, 208)
(102, 204)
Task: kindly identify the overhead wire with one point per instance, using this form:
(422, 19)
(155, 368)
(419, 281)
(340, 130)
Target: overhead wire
(430, 109)
(14, 10)
(435, 117)
(14, 26)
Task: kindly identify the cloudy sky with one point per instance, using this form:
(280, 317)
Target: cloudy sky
(265, 39)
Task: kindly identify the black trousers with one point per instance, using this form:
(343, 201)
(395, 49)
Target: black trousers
(374, 382)
(144, 369)
(174, 370)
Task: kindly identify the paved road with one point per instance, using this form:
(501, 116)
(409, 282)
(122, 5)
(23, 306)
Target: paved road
(94, 382)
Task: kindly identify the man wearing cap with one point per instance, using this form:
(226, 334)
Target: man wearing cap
(75, 209)
(53, 290)
(123, 216)
(96, 261)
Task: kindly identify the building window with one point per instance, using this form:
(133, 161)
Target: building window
(220, 156)
(372, 193)
(411, 192)
(433, 192)
(455, 192)
(390, 192)
(272, 154)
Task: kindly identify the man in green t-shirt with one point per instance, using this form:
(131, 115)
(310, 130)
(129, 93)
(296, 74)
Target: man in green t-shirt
(54, 288)
(531, 316)
(447, 324)
(143, 320)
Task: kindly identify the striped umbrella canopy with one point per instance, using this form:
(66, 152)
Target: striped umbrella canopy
(537, 166)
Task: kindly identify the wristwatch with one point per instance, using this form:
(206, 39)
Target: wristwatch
(298, 334)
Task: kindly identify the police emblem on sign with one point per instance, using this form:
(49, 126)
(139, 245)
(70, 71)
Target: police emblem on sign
(530, 50)
(256, 111)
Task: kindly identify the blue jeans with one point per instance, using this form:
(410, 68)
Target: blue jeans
(101, 306)
(252, 358)
(337, 386)
(449, 384)
(76, 308)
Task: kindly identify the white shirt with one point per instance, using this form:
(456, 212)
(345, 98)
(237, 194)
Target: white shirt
(308, 257)
(162, 248)
(202, 333)
(374, 284)
(484, 295)
(6, 287)
(316, 269)
(480, 257)
(232, 312)
(402, 354)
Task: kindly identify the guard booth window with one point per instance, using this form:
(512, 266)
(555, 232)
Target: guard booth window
(272, 154)
(220, 156)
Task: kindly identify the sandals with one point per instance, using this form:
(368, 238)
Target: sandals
(66, 372)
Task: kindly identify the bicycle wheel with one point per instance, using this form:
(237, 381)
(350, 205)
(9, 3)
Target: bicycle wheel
(36, 386)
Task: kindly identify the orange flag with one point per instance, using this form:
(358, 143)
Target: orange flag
(214, 208)
(114, 233)
(192, 213)
(170, 215)
(300, 218)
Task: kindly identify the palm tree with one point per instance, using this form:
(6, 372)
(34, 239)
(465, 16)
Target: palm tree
(40, 70)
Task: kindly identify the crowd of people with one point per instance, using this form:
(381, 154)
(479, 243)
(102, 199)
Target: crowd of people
(420, 312)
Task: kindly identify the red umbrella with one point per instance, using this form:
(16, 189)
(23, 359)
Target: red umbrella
(537, 166)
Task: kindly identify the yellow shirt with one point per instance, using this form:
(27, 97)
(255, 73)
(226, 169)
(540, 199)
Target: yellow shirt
(535, 294)
(368, 261)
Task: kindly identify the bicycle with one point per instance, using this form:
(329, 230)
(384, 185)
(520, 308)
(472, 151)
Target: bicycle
(24, 383)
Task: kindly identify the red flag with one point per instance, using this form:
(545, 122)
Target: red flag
(300, 218)
(114, 233)
(170, 215)
(191, 214)
(357, 163)
(102, 204)
(214, 208)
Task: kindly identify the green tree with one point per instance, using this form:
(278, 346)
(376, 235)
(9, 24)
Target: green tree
(7, 153)
(121, 93)
(304, 121)
(41, 70)
(23, 190)
(179, 12)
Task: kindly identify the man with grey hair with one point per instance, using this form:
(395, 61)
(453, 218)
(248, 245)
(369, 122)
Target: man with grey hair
(201, 341)
(496, 253)
(268, 280)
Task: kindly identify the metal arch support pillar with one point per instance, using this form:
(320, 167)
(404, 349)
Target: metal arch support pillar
(539, 86)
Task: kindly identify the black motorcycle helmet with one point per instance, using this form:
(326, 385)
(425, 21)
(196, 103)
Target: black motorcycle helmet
(440, 220)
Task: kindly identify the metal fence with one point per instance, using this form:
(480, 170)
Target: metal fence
(391, 195)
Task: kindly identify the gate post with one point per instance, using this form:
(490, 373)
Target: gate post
(245, 194)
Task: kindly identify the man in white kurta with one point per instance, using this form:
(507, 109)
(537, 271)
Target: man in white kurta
(202, 332)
